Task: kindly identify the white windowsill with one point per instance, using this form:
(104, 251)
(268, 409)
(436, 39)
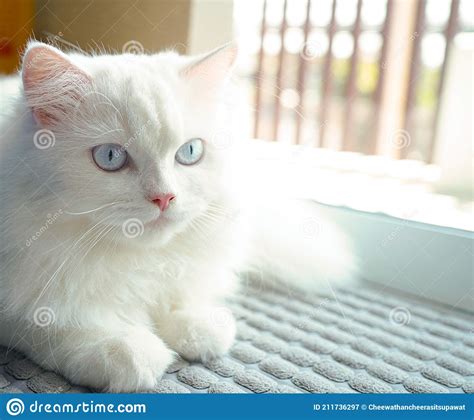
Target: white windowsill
(406, 236)
(376, 184)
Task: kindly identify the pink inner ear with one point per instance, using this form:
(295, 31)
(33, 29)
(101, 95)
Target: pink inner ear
(52, 84)
(214, 67)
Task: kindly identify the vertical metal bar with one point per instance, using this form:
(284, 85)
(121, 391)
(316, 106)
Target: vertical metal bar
(301, 83)
(259, 76)
(378, 94)
(414, 73)
(449, 32)
(327, 79)
(279, 76)
(348, 139)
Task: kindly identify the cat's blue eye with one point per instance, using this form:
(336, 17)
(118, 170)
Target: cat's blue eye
(109, 157)
(191, 152)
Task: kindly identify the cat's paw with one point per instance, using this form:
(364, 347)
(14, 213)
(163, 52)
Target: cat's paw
(200, 334)
(135, 361)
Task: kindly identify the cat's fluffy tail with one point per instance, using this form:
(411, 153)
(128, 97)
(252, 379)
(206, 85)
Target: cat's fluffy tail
(293, 244)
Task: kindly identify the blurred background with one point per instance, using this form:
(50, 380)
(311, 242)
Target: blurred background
(380, 89)
(333, 62)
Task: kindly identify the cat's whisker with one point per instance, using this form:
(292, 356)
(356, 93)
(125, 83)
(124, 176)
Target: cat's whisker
(219, 210)
(115, 130)
(104, 232)
(93, 210)
(214, 217)
(94, 238)
(68, 257)
(202, 226)
(86, 242)
(194, 225)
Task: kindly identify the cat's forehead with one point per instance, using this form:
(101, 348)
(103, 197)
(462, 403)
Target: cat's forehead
(145, 101)
(142, 81)
(151, 100)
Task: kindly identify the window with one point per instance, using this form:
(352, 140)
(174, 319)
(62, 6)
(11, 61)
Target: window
(355, 75)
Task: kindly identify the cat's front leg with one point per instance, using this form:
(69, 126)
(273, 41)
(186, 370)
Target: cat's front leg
(128, 359)
(198, 332)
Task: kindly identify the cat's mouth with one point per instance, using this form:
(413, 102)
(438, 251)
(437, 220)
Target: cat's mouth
(158, 221)
(163, 220)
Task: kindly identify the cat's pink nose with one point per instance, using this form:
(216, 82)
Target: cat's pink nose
(163, 200)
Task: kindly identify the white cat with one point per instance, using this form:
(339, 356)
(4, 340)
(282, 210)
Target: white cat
(124, 220)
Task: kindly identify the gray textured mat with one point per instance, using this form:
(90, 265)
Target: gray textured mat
(363, 341)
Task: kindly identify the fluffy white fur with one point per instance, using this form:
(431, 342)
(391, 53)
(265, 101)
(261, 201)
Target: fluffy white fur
(120, 308)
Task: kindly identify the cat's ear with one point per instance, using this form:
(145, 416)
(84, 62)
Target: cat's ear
(53, 85)
(214, 68)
